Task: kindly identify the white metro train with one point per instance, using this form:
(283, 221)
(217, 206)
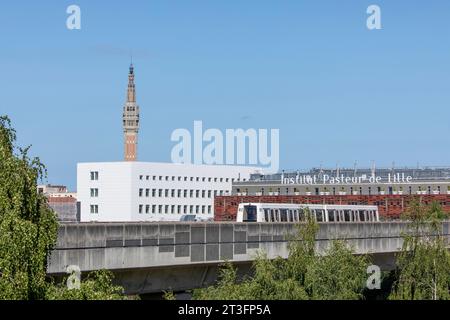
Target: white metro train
(281, 212)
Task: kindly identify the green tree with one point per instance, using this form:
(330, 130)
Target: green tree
(97, 286)
(423, 265)
(28, 231)
(337, 275)
(28, 228)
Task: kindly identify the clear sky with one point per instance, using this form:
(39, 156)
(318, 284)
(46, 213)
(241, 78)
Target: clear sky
(337, 91)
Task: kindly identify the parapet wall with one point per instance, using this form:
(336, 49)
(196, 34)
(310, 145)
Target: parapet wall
(116, 246)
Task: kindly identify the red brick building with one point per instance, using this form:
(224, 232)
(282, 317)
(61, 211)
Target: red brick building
(389, 206)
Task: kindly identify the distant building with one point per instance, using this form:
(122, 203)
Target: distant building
(146, 191)
(131, 120)
(391, 189)
(341, 182)
(64, 203)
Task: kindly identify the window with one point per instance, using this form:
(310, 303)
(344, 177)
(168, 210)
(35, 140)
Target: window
(172, 209)
(203, 193)
(160, 193)
(191, 209)
(94, 175)
(179, 178)
(185, 209)
(179, 209)
(215, 193)
(197, 209)
(160, 178)
(154, 178)
(140, 208)
(209, 193)
(192, 178)
(172, 193)
(197, 193)
(154, 208)
(215, 179)
(147, 208)
(173, 178)
(227, 179)
(203, 209)
(166, 193)
(166, 208)
(185, 178)
(191, 193)
(221, 179)
(140, 177)
(167, 178)
(94, 208)
(140, 192)
(185, 193)
(147, 177)
(209, 209)
(160, 208)
(94, 193)
(179, 193)
(209, 179)
(203, 179)
(147, 192)
(197, 179)
(153, 192)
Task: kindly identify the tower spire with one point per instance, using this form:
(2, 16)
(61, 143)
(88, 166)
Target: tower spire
(131, 118)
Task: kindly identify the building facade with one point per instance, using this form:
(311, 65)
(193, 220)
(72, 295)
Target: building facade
(341, 182)
(63, 202)
(146, 191)
(392, 190)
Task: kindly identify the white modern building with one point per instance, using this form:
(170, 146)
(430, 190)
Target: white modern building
(147, 191)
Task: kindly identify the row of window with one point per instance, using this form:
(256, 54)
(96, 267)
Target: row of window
(174, 209)
(179, 178)
(178, 193)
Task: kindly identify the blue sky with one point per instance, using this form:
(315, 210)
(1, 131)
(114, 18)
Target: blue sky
(337, 91)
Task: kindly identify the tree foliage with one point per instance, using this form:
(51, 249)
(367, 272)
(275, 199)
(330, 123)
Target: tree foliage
(28, 231)
(97, 286)
(28, 228)
(305, 274)
(423, 265)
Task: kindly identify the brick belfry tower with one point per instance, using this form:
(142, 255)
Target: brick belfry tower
(131, 120)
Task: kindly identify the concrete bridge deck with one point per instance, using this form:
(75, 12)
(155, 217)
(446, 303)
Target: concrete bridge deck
(150, 257)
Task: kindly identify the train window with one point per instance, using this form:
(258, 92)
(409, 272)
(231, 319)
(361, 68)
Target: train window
(283, 215)
(346, 215)
(319, 215)
(301, 215)
(361, 215)
(330, 215)
(250, 214)
(272, 216)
